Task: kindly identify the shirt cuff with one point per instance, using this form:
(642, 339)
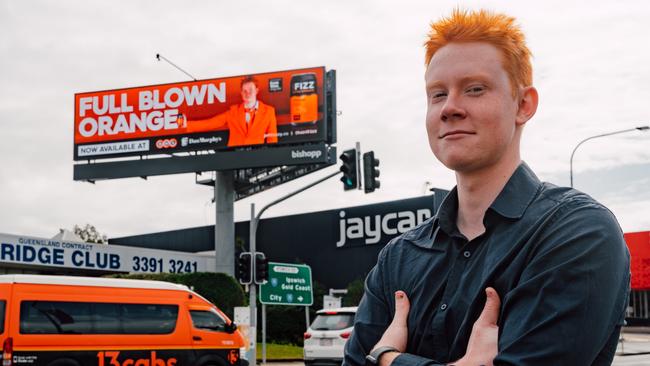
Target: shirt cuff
(407, 359)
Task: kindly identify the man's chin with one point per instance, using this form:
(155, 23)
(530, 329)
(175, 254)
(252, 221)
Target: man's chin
(457, 162)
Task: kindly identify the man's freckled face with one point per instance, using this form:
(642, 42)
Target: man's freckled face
(470, 108)
(249, 93)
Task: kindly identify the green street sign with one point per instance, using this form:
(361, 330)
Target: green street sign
(288, 284)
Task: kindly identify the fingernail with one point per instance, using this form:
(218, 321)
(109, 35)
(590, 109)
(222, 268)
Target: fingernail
(488, 293)
(399, 294)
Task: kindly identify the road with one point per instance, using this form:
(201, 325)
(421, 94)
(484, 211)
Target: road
(634, 350)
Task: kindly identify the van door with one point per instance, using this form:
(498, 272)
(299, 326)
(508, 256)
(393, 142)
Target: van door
(5, 342)
(210, 339)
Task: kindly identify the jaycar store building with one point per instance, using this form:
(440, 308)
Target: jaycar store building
(340, 245)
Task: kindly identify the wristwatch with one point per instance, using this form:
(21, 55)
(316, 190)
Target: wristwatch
(373, 358)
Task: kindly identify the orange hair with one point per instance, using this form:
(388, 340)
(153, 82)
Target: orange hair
(249, 79)
(496, 29)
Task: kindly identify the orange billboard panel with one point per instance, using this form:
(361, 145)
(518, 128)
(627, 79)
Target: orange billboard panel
(262, 109)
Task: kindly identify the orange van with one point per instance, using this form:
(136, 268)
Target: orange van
(79, 321)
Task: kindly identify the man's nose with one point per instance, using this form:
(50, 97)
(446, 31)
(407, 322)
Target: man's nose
(452, 109)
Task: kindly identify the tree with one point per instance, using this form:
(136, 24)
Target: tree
(90, 234)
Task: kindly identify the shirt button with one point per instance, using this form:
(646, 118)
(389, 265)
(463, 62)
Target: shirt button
(443, 306)
(467, 254)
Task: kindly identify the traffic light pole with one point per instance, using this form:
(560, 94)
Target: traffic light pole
(253, 249)
(357, 146)
(252, 358)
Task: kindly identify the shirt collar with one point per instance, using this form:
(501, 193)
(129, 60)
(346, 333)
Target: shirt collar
(255, 106)
(517, 194)
(512, 202)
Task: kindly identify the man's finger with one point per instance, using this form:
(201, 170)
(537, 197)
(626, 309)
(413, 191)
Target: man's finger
(402, 306)
(490, 313)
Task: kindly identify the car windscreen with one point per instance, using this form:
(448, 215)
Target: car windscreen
(336, 321)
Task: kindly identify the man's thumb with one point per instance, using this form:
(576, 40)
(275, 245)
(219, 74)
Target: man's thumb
(490, 313)
(402, 306)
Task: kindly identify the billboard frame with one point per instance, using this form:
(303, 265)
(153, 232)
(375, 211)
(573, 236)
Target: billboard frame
(327, 89)
(217, 161)
(203, 160)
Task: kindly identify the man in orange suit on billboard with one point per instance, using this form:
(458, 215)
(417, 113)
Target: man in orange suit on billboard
(250, 122)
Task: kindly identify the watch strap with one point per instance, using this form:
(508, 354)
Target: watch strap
(373, 357)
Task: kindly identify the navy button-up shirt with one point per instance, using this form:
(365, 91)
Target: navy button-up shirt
(555, 256)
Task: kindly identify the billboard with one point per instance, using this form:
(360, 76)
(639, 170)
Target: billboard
(268, 109)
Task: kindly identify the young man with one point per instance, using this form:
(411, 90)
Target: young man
(555, 257)
(249, 123)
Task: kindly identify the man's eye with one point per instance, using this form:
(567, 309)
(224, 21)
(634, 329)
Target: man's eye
(476, 89)
(437, 95)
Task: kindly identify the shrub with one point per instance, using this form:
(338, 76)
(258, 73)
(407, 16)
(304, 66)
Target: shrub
(218, 288)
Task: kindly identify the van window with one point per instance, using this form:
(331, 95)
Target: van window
(3, 305)
(207, 320)
(59, 317)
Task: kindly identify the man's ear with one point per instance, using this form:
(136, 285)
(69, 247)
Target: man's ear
(528, 100)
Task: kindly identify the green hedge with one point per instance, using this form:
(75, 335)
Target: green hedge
(355, 292)
(286, 324)
(220, 289)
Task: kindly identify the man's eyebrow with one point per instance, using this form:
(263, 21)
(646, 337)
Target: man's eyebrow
(464, 80)
(477, 77)
(434, 85)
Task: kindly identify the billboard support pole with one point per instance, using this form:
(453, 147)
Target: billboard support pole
(224, 228)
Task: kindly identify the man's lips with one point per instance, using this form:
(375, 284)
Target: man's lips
(456, 133)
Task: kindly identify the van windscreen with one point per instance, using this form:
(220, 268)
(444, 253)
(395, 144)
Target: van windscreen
(59, 317)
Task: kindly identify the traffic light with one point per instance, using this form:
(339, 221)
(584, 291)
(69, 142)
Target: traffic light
(261, 268)
(370, 172)
(244, 268)
(349, 168)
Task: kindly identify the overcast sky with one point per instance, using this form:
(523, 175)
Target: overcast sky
(590, 67)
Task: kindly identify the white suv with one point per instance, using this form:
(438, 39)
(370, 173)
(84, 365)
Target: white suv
(326, 337)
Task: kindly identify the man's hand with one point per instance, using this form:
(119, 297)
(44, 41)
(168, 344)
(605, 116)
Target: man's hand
(397, 332)
(483, 343)
(181, 121)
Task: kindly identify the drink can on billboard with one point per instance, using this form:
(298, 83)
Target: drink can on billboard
(304, 98)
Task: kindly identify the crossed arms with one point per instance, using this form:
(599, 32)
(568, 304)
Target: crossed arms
(565, 308)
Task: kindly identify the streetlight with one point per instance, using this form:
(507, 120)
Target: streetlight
(640, 128)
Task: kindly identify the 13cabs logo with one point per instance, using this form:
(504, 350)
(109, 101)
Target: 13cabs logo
(110, 358)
